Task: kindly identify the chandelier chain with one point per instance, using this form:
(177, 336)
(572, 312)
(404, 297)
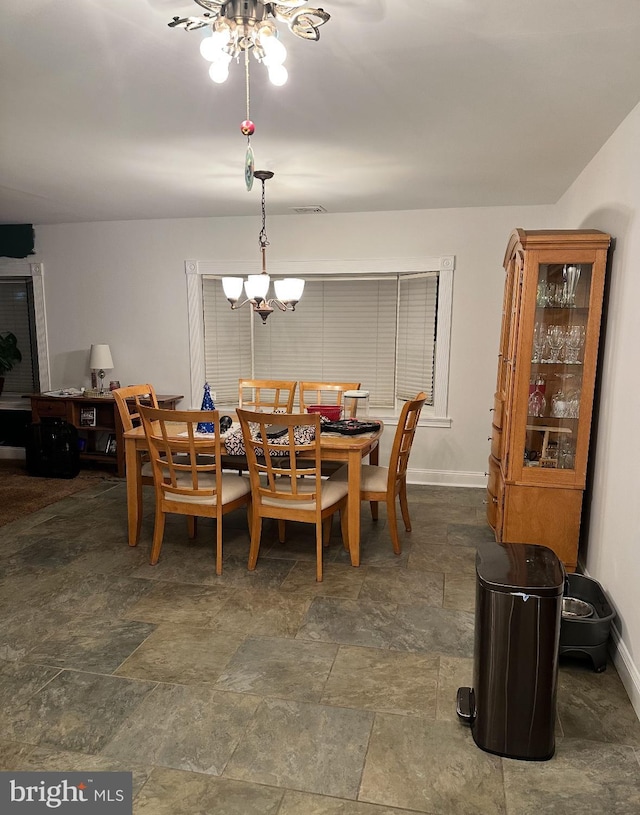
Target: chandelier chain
(262, 238)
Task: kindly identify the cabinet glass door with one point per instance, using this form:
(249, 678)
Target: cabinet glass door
(557, 354)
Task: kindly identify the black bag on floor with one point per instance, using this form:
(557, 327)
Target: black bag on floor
(52, 449)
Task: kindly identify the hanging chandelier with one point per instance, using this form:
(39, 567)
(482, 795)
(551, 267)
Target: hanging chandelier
(288, 291)
(243, 25)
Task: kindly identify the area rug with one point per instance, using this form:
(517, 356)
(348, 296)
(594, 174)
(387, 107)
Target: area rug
(21, 494)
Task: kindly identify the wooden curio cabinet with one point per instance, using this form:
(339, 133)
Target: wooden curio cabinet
(545, 387)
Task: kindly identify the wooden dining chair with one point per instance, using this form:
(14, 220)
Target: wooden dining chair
(283, 490)
(388, 483)
(267, 395)
(128, 401)
(187, 474)
(324, 393)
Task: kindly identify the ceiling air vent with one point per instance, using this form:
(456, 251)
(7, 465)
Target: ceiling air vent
(314, 209)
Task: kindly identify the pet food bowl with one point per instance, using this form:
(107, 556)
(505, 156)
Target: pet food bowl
(331, 412)
(573, 607)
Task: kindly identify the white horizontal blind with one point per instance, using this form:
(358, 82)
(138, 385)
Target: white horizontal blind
(417, 311)
(377, 331)
(341, 331)
(227, 342)
(16, 315)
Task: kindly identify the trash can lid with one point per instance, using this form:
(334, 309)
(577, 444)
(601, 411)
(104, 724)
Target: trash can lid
(520, 567)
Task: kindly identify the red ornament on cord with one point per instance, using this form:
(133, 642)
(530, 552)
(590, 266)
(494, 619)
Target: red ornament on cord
(247, 128)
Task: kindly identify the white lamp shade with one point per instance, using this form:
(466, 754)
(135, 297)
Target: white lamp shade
(100, 358)
(232, 287)
(257, 286)
(289, 289)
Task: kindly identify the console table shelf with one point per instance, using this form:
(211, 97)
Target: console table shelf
(95, 417)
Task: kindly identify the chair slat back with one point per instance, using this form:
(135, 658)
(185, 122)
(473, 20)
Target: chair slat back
(266, 394)
(128, 401)
(185, 465)
(272, 460)
(323, 393)
(405, 433)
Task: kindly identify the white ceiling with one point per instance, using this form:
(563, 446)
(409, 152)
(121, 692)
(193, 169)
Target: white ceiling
(108, 114)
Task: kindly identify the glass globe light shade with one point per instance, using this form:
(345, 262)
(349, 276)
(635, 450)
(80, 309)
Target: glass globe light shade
(232, 287)
(211, 46)
(278, 74)
(257, 286)
(289, 289)
(219, 71)
(274, 50)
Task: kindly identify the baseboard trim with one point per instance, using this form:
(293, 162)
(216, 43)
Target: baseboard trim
(626, 668)
(447, 478)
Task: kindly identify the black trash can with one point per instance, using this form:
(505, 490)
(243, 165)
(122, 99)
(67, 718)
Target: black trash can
(52, 449)
(512, 705)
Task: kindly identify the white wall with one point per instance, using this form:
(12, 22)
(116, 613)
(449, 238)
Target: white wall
(607, 196)
(123, 283)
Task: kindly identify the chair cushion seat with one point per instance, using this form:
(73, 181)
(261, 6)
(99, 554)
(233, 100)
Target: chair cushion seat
(332, 492)
(373, 478)
(233, 487)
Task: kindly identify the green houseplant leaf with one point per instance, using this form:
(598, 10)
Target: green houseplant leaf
(9, 352)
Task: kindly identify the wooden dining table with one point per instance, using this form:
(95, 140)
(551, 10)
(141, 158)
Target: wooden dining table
(333, 447)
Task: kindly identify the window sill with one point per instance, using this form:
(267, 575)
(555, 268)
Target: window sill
(425, 419)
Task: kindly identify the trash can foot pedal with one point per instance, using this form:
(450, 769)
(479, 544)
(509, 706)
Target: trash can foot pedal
(466, 705)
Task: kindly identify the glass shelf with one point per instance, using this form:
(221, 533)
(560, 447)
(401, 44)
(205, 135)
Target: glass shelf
(555, 369)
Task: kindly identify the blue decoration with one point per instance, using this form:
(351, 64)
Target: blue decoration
(207, 404)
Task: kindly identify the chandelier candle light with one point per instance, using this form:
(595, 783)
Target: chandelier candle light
(288, 291)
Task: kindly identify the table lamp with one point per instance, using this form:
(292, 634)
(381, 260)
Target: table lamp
(99, 359)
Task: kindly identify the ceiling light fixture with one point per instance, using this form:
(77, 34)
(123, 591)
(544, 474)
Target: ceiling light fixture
(288, 291)
(243, 25)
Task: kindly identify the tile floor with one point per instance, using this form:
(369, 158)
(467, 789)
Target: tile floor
(266, 693)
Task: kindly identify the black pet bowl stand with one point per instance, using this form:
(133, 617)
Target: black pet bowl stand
(587, 636)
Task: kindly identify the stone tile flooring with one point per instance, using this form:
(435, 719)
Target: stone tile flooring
(267, 693)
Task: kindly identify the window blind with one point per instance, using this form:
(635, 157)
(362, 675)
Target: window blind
(16, 315)
(227, 343)
(341, 331)
(417, 310)
(378, 331)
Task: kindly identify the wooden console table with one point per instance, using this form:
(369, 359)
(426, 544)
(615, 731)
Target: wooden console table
(97, 420)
